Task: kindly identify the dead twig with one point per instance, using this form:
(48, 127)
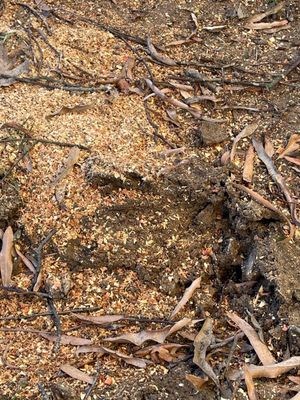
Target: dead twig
(46, 314)
(22, 292)
(57, 322)
(93, 385)
(156, 134)
(43, 392)
(45, 141)
(289, 68)
(277, 178)
(37, 259)
(16, 162)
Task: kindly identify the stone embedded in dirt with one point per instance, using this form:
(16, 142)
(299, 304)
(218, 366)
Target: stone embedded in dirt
(209, 133)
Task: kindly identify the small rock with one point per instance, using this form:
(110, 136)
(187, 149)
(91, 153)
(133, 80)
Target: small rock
(209, 133)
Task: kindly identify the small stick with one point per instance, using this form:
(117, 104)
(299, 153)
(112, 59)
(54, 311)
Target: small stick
(155, 128)
(43, 392)
(93, 385)
(46, 141)
(46, 314)
(22, 292)
(20, 158)
(290, 67)
(57, 323)
(70, 88)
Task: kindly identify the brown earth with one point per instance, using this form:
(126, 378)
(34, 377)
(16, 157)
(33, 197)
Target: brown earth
(139, 221)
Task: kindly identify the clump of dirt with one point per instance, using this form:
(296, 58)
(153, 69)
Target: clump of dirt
(10, 205)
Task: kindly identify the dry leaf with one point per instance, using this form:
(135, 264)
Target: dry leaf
(201, 343)
(247, 131)
(196, 381)
(90, 349)
(253, 22)
(249, 384)
(76, 373)
(103, 319)
(293, 160)
(157, 56)
(7, 69)
(172, 117)
(274, 370)
(260, 348)
(269, 148)
(292, 146)
(166, 352)
(127, 70)
(249, 163)
(295, 379)
(6, 262)
(270, 25)
(38, 282)
(186, 296)
(185, 94)
(296, 397)
(158, 336)
(137, 362)
(225, 158)
(25, 260)
(79, 108)
(67, 166)
(199, 99)
(65, 339)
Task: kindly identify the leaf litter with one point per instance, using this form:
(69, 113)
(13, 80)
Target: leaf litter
(165, 352)
(158, 336)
